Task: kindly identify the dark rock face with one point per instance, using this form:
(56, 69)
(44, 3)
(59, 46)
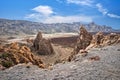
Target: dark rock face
(83, 41)
(42, 46)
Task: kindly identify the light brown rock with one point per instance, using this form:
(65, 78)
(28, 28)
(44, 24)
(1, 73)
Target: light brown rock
(98, 38)
(14, 54)
(83, 41)
(103, 40)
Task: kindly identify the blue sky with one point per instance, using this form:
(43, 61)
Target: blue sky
(103, 12)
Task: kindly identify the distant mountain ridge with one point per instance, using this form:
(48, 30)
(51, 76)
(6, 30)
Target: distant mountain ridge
(18, 27)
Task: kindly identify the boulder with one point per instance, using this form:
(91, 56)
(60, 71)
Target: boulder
(94, 58)
(42, 46)
(14, 46)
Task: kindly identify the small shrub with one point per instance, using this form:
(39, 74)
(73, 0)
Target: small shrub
(7, 64)
(4, 55)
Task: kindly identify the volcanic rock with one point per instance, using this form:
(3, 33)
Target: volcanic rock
(103, 40)
(13, 54)
(94, 58)
(14, 46)
(111, 39)
(83, 41)
(42, 46)
(98, 39)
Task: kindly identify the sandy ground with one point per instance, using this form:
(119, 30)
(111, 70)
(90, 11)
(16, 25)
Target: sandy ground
(47, 36)
(61, 54)
(107, 68)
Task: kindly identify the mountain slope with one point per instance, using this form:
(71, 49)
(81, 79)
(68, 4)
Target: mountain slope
(17, 27)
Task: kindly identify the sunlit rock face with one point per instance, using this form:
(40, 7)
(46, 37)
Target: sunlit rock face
(99, 39)
(83, 41)
(110, 39)
(42, 46)
(13, 54)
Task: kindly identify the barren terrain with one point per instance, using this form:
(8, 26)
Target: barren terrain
(82, 68)
(63, 44)
(100, 63)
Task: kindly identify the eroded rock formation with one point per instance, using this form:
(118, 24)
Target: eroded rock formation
(83, 41)
(110, 39)
(42, 46)
(103, 40)
(13, 54)
(98, 39)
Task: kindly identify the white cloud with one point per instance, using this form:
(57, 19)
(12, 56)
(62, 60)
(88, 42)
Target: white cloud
(81, 2)
(58, 19)
(45, 10)
(45, 14)
(67, 19)
(113, 16)
(105, 11)
(101, 9)
(91, 3)
(35, 17)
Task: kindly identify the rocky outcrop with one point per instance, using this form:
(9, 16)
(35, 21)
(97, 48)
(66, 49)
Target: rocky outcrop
(42, 46)
(110, 39)
(83, 41)
(101, 39)
(13, 54)
(98, 38)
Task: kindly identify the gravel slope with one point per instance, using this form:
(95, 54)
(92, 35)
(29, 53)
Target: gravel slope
(107, 68)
